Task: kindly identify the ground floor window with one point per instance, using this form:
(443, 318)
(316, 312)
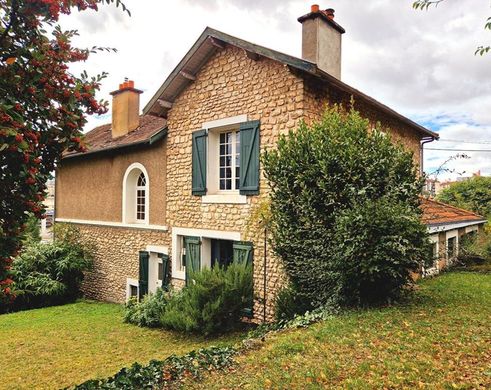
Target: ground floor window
(222, 252)
(451, 247)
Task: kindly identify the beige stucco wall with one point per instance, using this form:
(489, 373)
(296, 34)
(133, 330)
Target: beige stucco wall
(91, 187)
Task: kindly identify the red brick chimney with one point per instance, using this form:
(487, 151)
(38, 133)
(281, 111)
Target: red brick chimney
(125, 109)
(321, 40)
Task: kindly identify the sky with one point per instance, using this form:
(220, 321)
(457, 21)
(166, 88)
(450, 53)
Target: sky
(420, 63)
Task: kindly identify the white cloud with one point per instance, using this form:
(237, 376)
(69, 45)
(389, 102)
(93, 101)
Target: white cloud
(419, 63)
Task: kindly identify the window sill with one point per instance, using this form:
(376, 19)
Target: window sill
(224, 199)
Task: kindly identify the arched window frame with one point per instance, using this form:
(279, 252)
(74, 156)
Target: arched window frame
(129, 203)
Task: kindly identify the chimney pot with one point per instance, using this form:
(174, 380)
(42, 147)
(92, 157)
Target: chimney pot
(330, 13)
(314, 8)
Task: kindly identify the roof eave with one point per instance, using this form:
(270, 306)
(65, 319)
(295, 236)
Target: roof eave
(157, 136)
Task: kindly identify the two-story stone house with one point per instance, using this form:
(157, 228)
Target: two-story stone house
(172, 190)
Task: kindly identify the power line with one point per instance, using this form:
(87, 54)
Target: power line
(460, 150)
(483, 142)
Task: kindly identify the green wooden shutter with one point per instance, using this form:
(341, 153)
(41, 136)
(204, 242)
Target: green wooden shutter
(249, 158)
(199, 163)
(165, 270)
(193, 256)
(242, 252)
(143, 277)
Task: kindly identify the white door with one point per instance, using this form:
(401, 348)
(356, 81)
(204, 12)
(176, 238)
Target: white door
(155, 273)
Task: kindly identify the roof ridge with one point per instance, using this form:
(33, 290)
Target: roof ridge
(455, 207)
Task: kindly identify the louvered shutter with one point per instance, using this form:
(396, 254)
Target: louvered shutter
(165, 270)
(193, 256)
(242, 252)
(249, 158)
(143, 274)
(199, 162)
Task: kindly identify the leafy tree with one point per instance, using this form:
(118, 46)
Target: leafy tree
(43, 108)
(425, 4)
(472, 194)
(329, 182)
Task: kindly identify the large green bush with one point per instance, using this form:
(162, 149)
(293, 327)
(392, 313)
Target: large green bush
(323, 175)
(213, 302)
(48, 274)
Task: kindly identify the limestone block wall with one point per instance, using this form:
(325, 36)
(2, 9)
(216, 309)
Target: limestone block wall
(318, 95)
(116, 258)
(231, 84)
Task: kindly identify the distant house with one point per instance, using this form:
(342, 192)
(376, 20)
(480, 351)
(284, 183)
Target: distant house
(447, 226)
(171, 191)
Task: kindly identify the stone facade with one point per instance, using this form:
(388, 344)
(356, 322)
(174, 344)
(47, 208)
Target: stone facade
(228, 85)
(116, 258)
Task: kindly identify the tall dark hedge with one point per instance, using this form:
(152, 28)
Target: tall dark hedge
(318, 174)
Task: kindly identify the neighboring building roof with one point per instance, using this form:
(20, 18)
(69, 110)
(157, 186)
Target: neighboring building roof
(151, 129)
(212, 40)
(437, 214)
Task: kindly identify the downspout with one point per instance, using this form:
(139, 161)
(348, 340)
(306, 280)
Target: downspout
(264, 277)
(425, 140)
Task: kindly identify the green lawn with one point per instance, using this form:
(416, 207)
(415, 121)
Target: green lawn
(441, 340)
(65, 345)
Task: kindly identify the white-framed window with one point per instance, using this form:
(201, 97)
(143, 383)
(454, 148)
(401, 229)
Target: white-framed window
(136, 195)
(229, 161)
(223, 161)
(132, 289)
(206, 237)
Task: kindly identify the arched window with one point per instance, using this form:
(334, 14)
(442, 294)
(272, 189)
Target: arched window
(141, 197)
(136, 194)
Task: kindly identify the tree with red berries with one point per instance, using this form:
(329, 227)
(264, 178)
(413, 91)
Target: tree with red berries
(43, 108)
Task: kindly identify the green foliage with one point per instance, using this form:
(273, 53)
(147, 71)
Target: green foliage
(162, 374)
(43, 109)
(473, 194)
(213, 302)
(32, 232)
(475, 248)
(49, 273)
(318, 175)
(288, 304)
(425, 4)
(374, 247)
(148, 312)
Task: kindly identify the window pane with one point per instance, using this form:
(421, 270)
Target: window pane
(160, 271)
(228, 173)
(133, 291)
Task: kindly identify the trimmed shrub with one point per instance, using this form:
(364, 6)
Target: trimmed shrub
(48, 274)
(319, 174)
(148, 312)
(213, 301)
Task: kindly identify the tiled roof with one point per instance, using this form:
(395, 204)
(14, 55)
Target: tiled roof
(100, 139)
(436, 213)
